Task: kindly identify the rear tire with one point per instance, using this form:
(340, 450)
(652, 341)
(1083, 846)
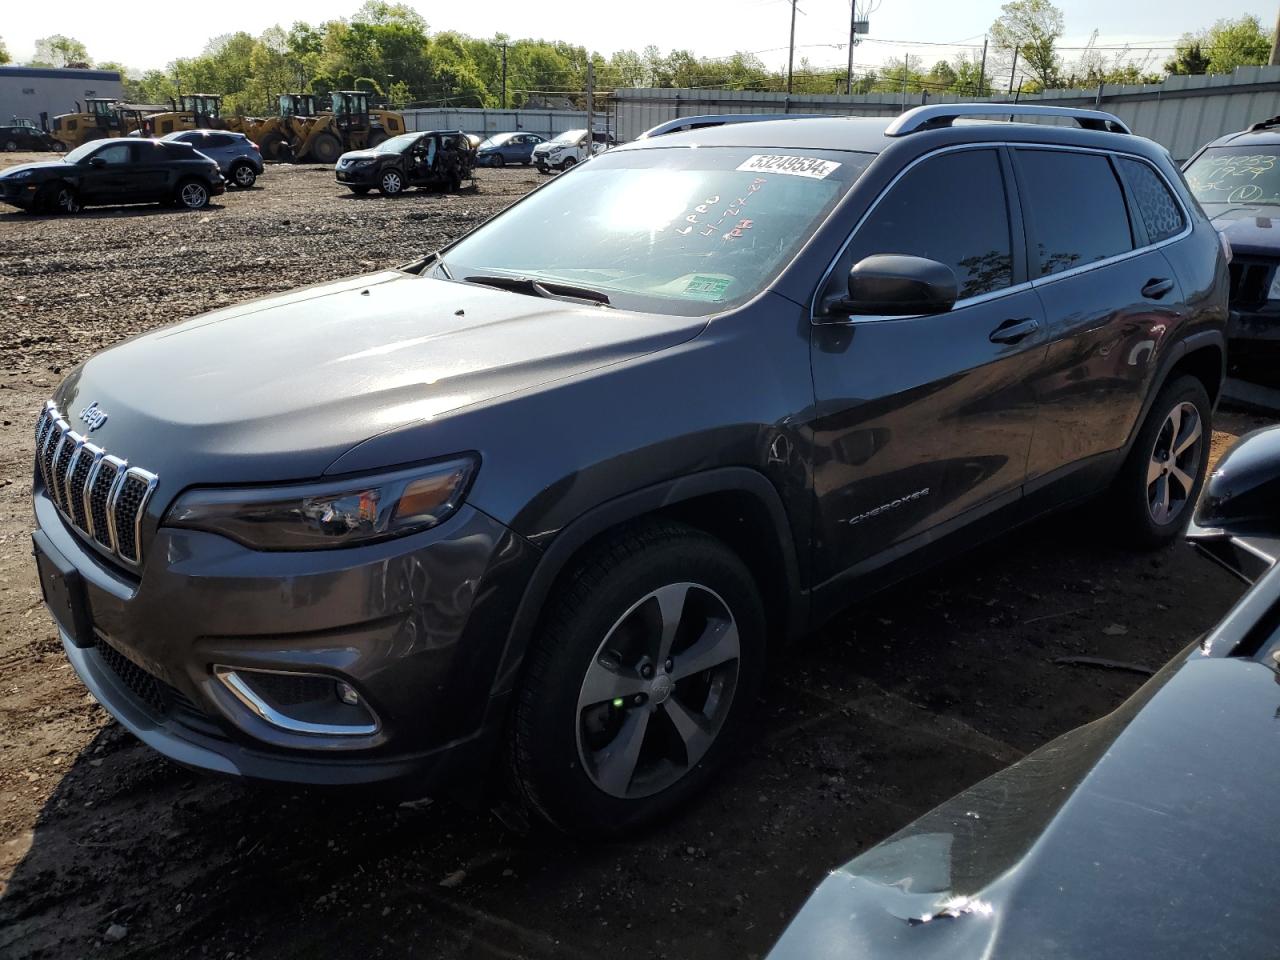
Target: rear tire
(1154, 495)
(600, 647)
(568, 162)
(11, 146)
(276, 149)
(243, 175)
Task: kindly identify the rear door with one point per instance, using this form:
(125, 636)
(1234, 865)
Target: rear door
(923, 420)
(1109, 295)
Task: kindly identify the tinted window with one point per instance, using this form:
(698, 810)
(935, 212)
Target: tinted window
(1159, 211)
(116, 153)
(218, 140)
(951, 209)
(1074, 208)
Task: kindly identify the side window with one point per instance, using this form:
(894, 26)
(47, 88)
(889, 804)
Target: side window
(116, 153)
(1074, 209)
(952, 209)
(1160, 212)
(218, 140)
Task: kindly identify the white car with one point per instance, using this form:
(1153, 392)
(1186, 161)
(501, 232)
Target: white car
(568, 149)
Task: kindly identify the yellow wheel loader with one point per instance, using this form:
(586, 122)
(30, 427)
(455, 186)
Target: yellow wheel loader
(98, 119)
(348, 125)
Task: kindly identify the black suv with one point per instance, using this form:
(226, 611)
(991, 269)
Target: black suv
(1236, 178)
(112, 171)
(436, 158)
(544, 498)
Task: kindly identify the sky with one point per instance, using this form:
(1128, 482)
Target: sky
(144, 36)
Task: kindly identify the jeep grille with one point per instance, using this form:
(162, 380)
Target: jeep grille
(100, 495)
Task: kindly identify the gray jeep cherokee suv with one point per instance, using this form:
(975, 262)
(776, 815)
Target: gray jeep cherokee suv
(539, 502)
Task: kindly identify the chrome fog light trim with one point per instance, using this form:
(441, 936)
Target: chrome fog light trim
(231, 678)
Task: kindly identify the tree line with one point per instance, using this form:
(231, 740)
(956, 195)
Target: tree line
(388, 49)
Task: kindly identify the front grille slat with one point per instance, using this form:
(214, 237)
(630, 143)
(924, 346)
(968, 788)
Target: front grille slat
(100, 495)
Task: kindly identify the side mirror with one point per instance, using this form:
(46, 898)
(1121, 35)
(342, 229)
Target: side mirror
(896, 285)
(97, 162)
(1237, 521)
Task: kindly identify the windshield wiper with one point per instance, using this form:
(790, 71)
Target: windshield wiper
(418, 266)
(550, 289)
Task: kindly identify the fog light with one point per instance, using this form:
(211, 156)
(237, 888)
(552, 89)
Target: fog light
(347, 693)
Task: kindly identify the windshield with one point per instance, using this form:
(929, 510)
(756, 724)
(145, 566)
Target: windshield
(667, 230)
(396, 144)
(1248, 175)
(497, 140)
(79, 153)
(569, 136)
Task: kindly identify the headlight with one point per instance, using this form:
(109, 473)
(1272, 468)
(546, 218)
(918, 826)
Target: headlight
(20, 175)
(361, 163)
(336, 513)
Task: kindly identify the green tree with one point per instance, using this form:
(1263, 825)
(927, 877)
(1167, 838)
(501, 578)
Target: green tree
(61, 51)
(4, 52)
(1032, 28)
(1228, 44)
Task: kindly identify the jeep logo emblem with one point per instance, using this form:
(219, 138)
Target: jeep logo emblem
(94, 416)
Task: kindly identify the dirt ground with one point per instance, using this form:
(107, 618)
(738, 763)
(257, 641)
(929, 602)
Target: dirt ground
(898, 704)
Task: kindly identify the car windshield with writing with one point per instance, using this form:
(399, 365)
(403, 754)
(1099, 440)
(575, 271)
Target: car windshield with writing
(1246, 175)
(670, 231)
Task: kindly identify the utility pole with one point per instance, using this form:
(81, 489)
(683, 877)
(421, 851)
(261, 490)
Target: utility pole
(1275, 45)
(906, 72)
(591, 98)
(1013, 69)
(504, 74)
(791, 57)
(982, 72)
(853, 22)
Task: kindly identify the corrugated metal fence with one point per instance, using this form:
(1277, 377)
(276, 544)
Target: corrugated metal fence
(1182, 112)
(545, 123)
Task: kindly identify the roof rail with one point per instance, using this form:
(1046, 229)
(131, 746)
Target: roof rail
(944, 114)
(680, 124)
(1266, 124)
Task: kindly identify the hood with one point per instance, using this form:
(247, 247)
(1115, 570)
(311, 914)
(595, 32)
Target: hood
(37, 165)
(279, 388)
(1254, 231)
(1148, 833)
(358, 155)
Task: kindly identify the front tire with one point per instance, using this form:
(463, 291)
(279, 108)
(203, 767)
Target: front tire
(243, 175)
(640, 678)
(568, 162)
(497, 160)
(325, 148)
(193, 195)
(391, 183)
(1156, 490)
(56, 198)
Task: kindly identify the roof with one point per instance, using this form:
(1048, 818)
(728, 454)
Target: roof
(1269, 136)
(57, 73)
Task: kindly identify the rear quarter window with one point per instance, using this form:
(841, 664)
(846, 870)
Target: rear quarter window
(1160, 212)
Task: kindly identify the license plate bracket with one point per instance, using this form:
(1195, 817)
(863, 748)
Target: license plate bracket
(63, 589)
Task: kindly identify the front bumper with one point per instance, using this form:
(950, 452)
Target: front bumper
(20, 193)
(417, 626)
(353, 177)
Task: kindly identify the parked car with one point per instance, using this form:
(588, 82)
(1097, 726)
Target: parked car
(544, 497)
(21, 133)
(113, 171)
(567, 150)
(504, 148)
(238, 157)
(1143, 834)
(440, 159)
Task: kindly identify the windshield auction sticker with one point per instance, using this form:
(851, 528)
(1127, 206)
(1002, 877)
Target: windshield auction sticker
(815, 168)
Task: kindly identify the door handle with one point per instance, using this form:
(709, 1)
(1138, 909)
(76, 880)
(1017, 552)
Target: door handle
(1011, 331)
(1157, 288)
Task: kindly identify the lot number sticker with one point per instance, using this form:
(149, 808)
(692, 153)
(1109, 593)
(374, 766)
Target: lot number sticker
(815, 168)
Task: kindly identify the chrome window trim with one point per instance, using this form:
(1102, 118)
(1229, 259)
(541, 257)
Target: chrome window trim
(816, 318)
(230, 678)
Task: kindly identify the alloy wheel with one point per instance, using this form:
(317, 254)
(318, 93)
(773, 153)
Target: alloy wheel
(658, 691)
(1174, 465)
(67, 201)
(245, 176)
(194, 196)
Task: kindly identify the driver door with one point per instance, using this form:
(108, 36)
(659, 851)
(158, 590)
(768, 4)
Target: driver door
(925, 421)
(107, 181)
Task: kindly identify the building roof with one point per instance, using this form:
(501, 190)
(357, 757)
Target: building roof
(56, 73)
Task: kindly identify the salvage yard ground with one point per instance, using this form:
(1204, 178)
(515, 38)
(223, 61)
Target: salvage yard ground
(108, 850)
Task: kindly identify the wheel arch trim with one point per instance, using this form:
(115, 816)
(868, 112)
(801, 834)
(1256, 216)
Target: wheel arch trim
(633, 506)
(1191, 343)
